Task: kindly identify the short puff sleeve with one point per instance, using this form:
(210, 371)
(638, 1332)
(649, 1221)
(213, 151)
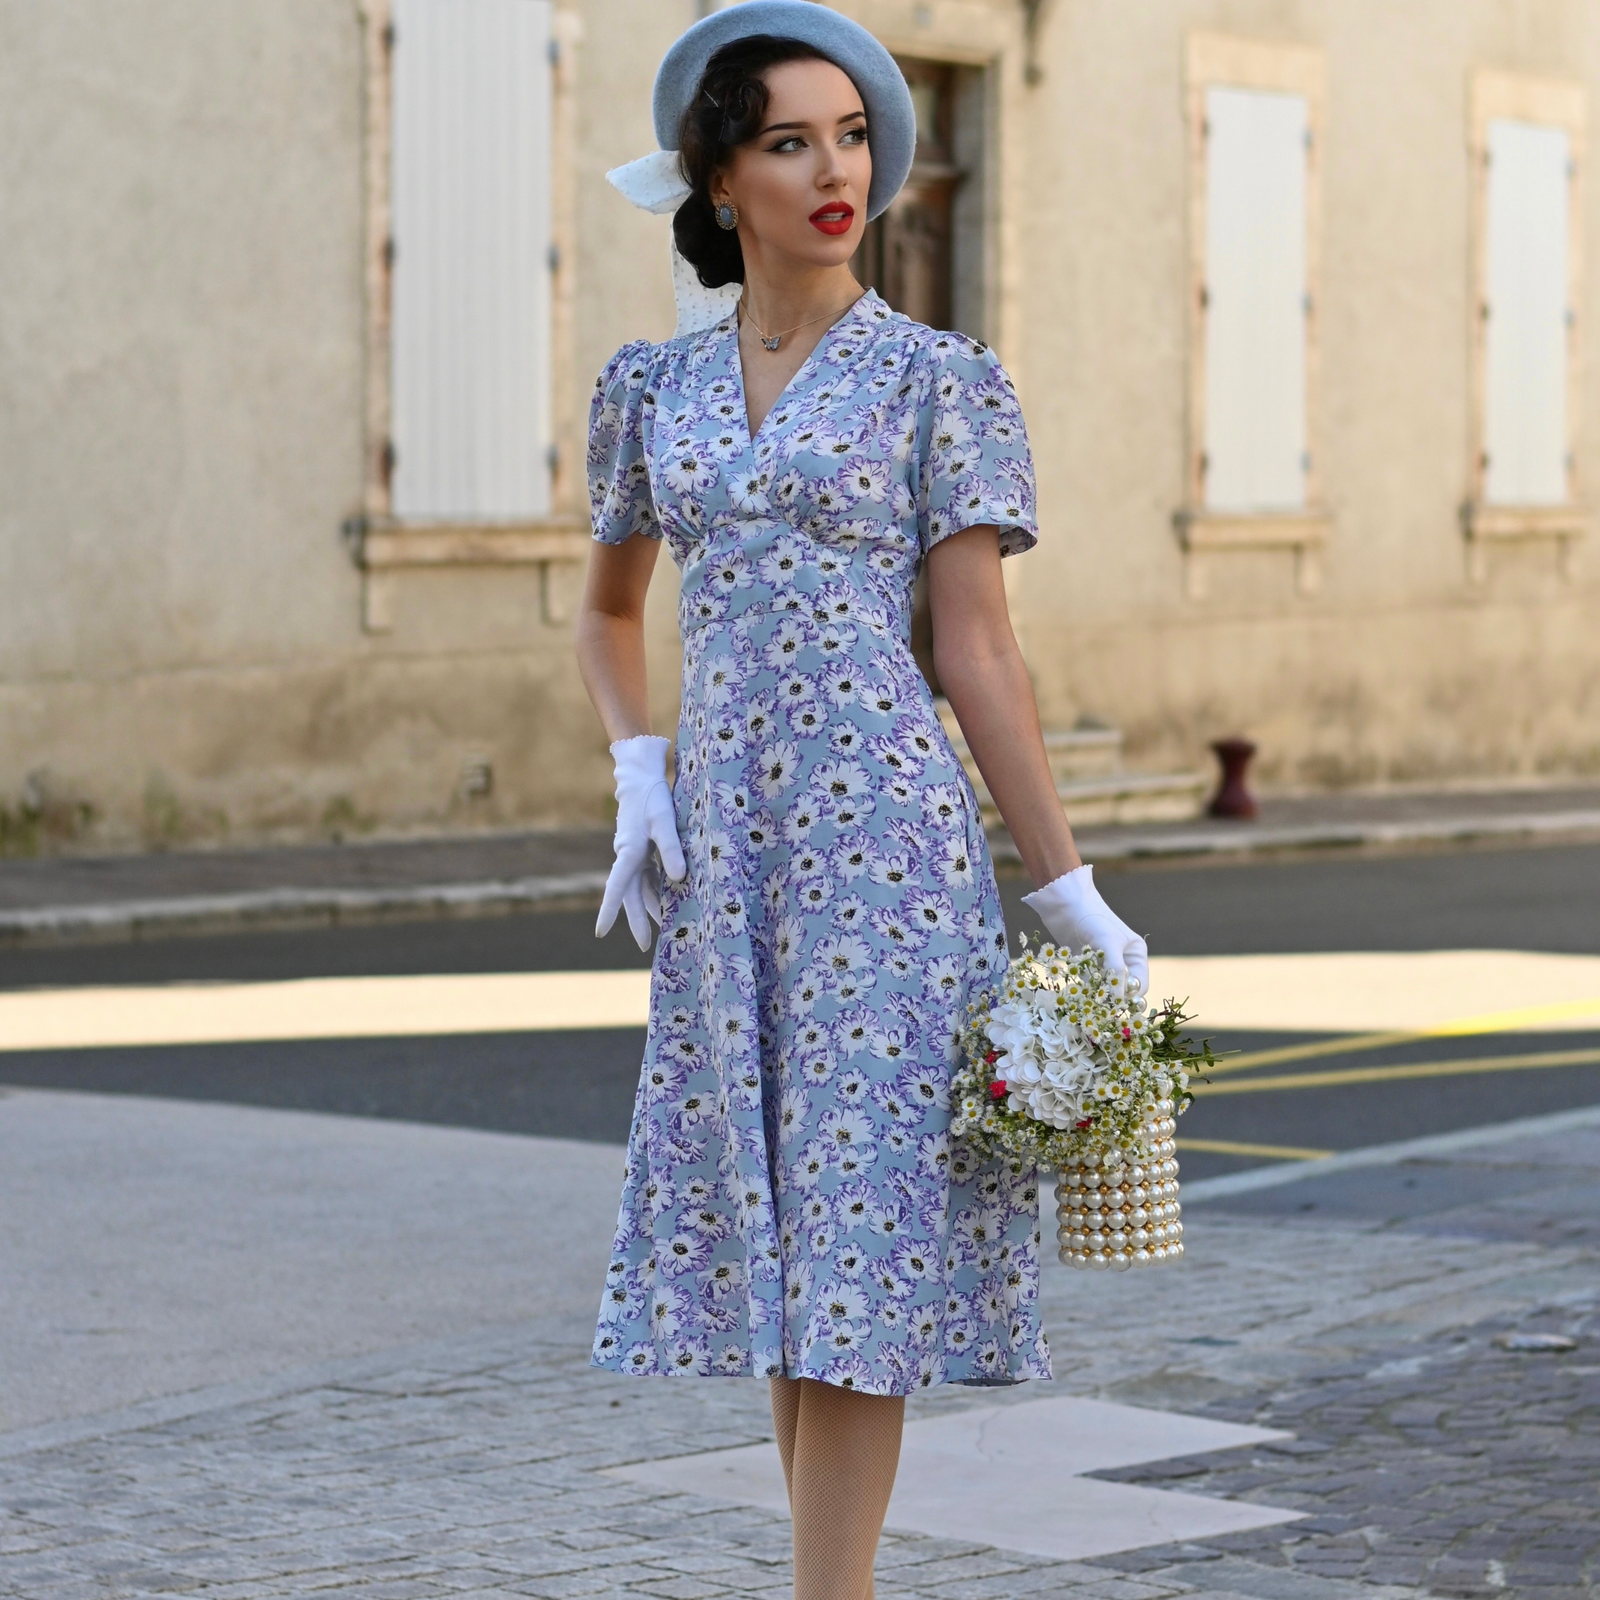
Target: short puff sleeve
(975, 464)
(620, 502)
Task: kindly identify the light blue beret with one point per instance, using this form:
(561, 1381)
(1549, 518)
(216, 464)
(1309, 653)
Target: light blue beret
(891, 119)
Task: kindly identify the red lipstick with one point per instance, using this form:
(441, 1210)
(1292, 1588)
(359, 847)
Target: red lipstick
(835, 217)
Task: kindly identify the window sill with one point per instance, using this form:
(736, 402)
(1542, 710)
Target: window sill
(1511, 525)
(381, 547)
(1203, 532)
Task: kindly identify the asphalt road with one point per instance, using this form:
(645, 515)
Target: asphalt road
(581, 1084)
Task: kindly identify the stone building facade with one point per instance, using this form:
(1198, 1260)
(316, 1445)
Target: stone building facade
(1296, 294)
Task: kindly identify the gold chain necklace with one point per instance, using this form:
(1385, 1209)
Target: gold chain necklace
(771, 341)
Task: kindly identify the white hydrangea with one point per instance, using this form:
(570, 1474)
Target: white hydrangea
(1046, 1059)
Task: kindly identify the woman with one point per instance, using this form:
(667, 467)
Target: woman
(792, 1207)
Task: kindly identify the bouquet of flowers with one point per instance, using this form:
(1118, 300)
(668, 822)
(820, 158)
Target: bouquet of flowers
(1068, 1069)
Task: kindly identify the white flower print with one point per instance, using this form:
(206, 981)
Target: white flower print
(834, 639)
(944, 978)
(840, 910)
(798, 441)
(748, 492)
(843, 954)
(841, 682)
(812, 895)
(893, 870)
(954, 865)
(851, 858)
(846, 1130)
(789, 490)
(727, 739)
(801, 819)
(890, 1044)
(730, 573)
(849, 989)
(781, 561)
(690, 471)
(722, 681)
(840, 780)
(942, 806)
(931, 912)
(758, 717)
(807, 719)
(719, 854)
(779, 769)
(787, 942)
(850, 912)
(833, 444)
(788, 639)
(862, 478)
(881, 699)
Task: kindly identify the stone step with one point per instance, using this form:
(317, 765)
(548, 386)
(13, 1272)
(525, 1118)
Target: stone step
(1083, 752)
(1128, 797)
(1087, 766)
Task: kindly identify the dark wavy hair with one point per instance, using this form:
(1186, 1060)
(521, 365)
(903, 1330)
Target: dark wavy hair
(726, 112)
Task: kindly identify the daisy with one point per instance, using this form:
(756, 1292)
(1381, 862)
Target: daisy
(779, 766)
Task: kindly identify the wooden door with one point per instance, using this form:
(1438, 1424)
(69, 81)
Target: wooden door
(907, 254)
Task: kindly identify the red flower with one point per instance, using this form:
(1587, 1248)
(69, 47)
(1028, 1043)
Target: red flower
(992, 1057)
(997, 1089)
(1088, 1122)
(1127, 1033)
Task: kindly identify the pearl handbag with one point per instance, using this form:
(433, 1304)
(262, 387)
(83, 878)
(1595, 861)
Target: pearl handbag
(1122, 1211)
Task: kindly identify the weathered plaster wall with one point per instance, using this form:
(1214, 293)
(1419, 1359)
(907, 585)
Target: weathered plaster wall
(1397, 667)
(181, 399)
(180, 432)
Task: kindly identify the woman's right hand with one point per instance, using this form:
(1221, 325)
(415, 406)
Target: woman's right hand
(645, 816)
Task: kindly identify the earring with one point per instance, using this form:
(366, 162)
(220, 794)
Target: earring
(727, 216)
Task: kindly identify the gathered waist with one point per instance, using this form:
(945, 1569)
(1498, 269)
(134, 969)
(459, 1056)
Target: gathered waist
(886, 623)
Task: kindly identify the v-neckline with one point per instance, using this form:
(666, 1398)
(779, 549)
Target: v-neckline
(847, 315)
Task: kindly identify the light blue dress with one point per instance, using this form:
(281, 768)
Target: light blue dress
(792, 1203)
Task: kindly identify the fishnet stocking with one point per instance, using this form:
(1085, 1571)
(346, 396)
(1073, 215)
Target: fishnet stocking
(840, 1450)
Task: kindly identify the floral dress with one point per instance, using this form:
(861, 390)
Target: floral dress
(792, 1203)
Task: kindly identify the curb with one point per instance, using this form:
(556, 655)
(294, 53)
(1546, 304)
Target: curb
(291, 906)
(265, 908)
(1254, 839)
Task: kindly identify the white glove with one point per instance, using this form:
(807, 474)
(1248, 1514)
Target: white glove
(645, 816)
(1075, 916)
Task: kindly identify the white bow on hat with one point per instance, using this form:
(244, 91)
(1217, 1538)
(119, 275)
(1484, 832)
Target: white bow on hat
(654, 184)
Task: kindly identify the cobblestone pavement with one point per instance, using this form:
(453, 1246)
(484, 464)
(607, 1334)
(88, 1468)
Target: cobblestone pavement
(1359, 1312)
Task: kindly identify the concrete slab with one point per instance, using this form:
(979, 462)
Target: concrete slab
(149, 1247)
(1012, 1475)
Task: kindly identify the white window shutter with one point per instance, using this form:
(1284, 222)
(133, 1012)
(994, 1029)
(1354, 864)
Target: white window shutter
(1257, 156)
(471, 286)
(1525, 399)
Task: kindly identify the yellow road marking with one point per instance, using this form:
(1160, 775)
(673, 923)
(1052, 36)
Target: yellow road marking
(1462, 1027)
(1421, 1069)
(1272, 1152)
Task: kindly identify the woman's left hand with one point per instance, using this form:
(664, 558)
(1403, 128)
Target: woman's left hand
(1075, 915)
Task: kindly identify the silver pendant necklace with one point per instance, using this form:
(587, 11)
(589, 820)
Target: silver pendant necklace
(771, 341)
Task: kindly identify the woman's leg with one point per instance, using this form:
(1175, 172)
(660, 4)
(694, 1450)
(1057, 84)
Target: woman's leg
(846, 1449)
(785, 1416)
